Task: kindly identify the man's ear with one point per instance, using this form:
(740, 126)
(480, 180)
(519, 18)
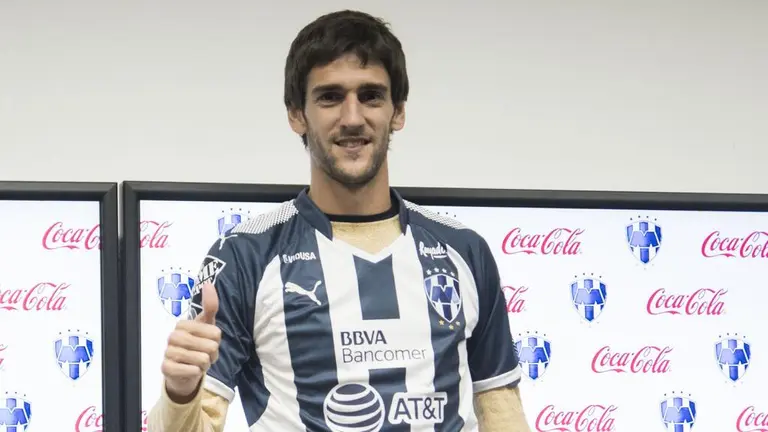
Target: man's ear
(398, 119)
(297, 121)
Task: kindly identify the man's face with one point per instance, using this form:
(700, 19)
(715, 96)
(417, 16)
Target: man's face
(348, 119)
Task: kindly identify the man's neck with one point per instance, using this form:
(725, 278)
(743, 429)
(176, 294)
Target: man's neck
(331, 197)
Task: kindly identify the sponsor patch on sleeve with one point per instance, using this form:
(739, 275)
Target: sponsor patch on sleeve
(209, 271)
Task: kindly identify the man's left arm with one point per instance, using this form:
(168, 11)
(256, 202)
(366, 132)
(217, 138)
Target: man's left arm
(492, 355)
(501, 410)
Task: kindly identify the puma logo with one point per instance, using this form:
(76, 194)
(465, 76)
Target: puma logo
(291, 287)
(223, 238)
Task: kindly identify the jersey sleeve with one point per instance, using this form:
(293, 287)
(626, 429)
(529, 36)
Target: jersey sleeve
(207, 412)
(231, 265)
(492, 355)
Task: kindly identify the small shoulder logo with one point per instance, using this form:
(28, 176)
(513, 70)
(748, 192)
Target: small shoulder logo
(299, 256)
(291, 287)
(434, 252)
(209, 271)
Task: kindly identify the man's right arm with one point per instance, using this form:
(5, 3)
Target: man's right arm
(182, 407)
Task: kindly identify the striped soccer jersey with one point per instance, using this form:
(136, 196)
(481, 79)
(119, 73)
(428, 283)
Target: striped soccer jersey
(318, 335)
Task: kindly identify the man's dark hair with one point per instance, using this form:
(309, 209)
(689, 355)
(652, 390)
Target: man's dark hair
(334, 35)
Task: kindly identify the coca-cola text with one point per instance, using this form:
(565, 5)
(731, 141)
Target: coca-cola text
(647, 360)
(753, 245)
(91, 420)
(45, 296)
(593, 418)
(153, 234)
(703, 301)
(559, 241)
(515, 298)
(59, 236)
(751, 420)
(2, 354)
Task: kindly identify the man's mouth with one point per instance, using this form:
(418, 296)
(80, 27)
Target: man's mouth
(352, 143)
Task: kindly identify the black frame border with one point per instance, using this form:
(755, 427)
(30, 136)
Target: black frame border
(133, 192)
(106, 194)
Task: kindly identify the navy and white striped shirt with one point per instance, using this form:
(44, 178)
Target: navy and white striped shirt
(318, 335)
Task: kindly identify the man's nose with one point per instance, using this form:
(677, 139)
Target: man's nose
(352, 112)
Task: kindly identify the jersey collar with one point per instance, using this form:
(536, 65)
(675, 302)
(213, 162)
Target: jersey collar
(320, 221)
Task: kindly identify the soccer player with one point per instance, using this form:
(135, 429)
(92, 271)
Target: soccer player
(346, 308)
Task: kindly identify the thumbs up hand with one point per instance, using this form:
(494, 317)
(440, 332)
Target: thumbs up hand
(193, 347)
(210, 305)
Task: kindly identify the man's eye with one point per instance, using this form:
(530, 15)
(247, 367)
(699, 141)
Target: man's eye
(330, 97)
(371, 96)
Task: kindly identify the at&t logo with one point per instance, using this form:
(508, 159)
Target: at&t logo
(354, 407)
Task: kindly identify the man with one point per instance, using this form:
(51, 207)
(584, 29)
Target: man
(347, 308)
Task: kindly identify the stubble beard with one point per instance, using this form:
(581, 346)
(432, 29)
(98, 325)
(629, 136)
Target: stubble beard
(330, 166)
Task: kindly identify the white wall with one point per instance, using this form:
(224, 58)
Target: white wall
(577, 95)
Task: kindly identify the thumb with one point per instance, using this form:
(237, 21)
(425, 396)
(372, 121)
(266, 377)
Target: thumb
(210, 304)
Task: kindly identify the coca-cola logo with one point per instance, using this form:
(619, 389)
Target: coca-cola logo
(559, 241)
(61, 236)
(703, 301)
(91, 420)
(45, 296)
(751, 420)
(753, 245)
(154, 234)
(2, 354)
(515, 298)
(647, 360)
(592, 418)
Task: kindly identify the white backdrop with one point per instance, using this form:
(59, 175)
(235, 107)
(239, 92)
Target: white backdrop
(50, 291)
(655, 334)
(548, 95)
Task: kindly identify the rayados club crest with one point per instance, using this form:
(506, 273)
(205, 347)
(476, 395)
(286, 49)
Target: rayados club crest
(733, 354)
(644, 238)
(442, 289)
